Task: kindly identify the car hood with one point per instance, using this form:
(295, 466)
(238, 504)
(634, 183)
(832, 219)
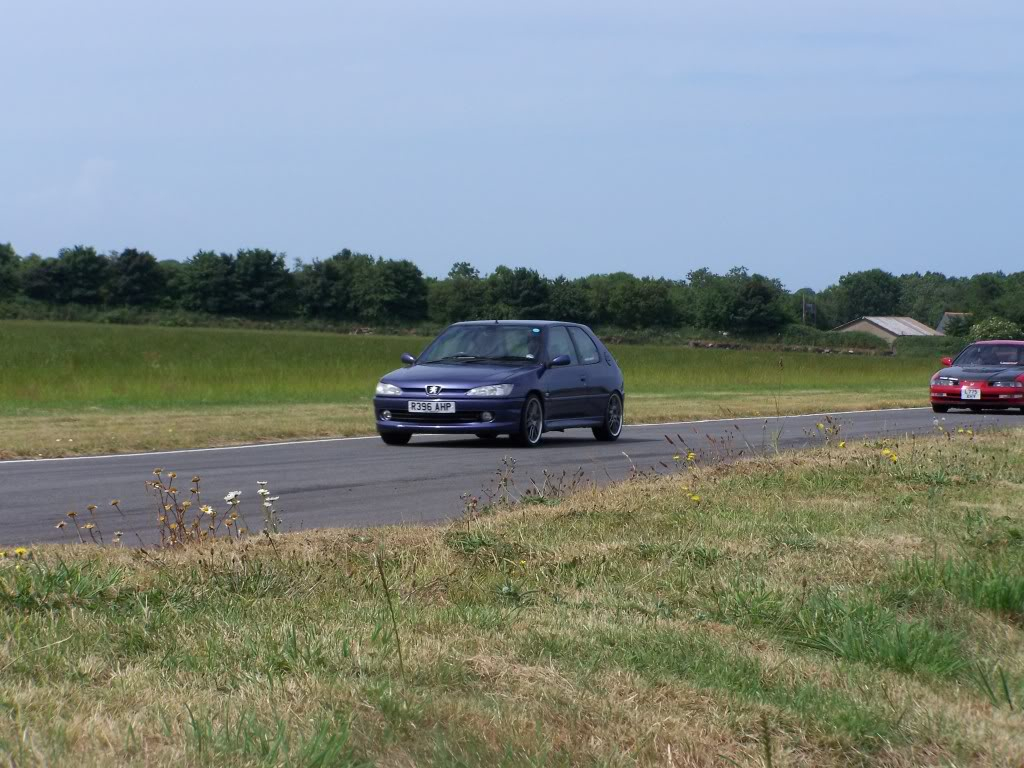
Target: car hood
(455, 375)
(989, 373)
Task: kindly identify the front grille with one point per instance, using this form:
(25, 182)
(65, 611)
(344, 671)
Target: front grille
(459, 417)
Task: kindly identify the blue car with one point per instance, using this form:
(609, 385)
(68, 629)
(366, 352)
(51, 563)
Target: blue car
(511, 377)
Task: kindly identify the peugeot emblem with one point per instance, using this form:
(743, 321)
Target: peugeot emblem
(433, 389)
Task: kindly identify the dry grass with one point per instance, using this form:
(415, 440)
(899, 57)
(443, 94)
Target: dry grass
(795, 615)
(99, 430)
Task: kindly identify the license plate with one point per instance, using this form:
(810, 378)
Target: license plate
(431, 406)
(970, 393)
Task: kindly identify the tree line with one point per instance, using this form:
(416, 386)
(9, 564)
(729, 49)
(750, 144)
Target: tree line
(356, 287)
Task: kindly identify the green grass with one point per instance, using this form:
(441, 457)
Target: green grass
(829, 608)
(77, 366)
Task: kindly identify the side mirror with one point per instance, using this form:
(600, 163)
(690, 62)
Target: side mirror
(947, 361)
(408, 359)
(560, 360)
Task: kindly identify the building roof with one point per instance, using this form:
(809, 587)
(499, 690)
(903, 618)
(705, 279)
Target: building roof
(947, 316)
(897, 326)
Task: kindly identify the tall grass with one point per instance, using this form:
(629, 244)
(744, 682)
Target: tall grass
(75, 365)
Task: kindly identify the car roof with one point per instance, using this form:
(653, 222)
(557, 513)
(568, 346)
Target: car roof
(535, 323)
(1001, 341)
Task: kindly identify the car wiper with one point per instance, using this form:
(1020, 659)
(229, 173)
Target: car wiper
(452, 358)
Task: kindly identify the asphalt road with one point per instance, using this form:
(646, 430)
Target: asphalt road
(362, 482)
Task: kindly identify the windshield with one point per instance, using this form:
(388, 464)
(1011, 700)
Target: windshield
(992, 354)
(467, 343)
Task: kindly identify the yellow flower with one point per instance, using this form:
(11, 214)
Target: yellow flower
(887, 452)
(894, 458)
(691, 456)
(20, 551)
(842, 443)
(821, 426)
(677, 457)
(173, 526)
(522, 563)
(695, 499)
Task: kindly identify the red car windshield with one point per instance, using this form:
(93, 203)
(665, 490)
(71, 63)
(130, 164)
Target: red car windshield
(992, 354)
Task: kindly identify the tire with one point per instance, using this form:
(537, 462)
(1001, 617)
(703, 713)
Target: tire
(531, 423)
(396, 438)
(613, 415)
(940, 408)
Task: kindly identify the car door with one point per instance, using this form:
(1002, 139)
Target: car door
(564, 385)
(596, 377)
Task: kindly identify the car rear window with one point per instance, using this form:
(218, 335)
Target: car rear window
(586, 346)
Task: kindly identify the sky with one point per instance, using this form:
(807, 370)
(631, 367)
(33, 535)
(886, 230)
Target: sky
(802, 139)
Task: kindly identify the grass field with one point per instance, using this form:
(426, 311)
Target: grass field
(99, 388)
(839, 607)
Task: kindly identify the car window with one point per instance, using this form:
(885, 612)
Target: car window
(559, 343)
(992, 354)
(586, 346)
(491, 341)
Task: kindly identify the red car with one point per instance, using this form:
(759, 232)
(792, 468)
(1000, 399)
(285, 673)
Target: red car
(986, 374)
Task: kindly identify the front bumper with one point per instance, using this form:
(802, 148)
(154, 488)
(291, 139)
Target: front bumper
(467, 419)
(991, 397)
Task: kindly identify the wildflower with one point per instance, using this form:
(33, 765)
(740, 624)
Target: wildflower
(274, 498)
(959, 430)
(887, 452)
(233, 497)
(2, 553)
(91, 507)
(842, 443)
(115, 502)
(522, 563)
(158, 471)
(230, 521)
(72, 514)
(267, 505)
(173, 526)
(162, 519)
(59, 525)
(261, 483)
(677, 457)
(263, 492)
(695, 499)
(172, 475)
(89, 526)
(894, 458)
(691, 456)
(20, 551)
(206, 509)
(186, 504)
(821, 426)
(195, 478)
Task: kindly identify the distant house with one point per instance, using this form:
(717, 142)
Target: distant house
(889, 328)
(957, 318)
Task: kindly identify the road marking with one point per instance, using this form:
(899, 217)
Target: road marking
(374, 437)
(769, 418)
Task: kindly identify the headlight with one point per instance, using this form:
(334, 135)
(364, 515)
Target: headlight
(494, 390)
(1012, 384)
(387, 389)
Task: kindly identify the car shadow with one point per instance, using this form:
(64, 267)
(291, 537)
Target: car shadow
(504, 443)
